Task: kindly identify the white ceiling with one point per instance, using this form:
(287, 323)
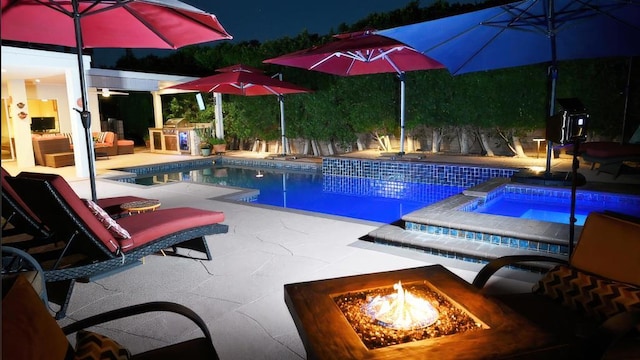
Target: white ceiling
(46, 75)
(46, 67)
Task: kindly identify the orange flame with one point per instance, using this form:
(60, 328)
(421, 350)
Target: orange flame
(402, 310)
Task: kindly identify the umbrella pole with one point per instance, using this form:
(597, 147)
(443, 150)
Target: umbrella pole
(553, 73)
(626, 100)
(85, 115)
(284, 139)
(574, 183)
(402, 107)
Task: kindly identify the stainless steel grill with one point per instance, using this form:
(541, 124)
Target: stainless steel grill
(176, 123)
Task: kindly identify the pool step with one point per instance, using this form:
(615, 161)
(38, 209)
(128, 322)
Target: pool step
(453, 248)
(452, 226)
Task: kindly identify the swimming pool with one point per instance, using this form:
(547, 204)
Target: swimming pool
(553, 204)
(376, 200)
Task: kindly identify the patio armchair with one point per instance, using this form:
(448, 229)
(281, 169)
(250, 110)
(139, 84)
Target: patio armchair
(96, 245)
(591, 302)
(30, 332)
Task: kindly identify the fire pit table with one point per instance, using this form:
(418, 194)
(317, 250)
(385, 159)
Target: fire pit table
(347, 318)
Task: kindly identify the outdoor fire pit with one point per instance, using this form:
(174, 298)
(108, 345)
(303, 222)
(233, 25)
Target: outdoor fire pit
(390, 316)
(413, 313)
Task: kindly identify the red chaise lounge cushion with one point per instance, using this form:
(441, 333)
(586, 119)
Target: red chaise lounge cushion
(143, 228)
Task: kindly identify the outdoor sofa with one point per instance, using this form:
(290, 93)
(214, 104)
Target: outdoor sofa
(56, 150)
(96, 245)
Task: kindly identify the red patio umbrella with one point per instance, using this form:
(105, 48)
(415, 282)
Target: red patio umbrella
(247, 81)
(361, 53)
(157, 24)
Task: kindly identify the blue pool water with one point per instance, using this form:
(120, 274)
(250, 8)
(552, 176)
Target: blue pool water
(388, 200)
(365, 199)
(555, 205)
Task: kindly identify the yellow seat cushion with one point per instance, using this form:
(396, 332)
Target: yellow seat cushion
(609, 247)
(29, 331)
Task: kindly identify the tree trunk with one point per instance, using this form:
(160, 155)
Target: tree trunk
(330, 150)
(387, 143)
(316, 148)
(380, 140)
(464, 141)
(518, 146)
(360, 144)
(409, 144)
(486, 145)
(506, 141)
(307, 144)
(437, 141)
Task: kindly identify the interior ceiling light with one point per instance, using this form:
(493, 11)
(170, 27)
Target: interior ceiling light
(105, 92)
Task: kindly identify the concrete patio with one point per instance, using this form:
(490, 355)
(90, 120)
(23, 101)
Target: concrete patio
(240, 292)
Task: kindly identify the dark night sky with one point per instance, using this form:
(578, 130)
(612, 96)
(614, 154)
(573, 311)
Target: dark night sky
(269, 20)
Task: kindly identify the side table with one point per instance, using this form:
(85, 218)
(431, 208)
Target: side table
(140, 206)
(538, 141)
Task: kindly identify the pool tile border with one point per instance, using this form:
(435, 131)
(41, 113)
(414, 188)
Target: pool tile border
(413, 172)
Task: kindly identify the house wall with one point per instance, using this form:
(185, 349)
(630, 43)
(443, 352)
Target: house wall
(59, 80)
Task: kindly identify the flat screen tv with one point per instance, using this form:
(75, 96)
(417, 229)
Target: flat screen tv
(42, 124)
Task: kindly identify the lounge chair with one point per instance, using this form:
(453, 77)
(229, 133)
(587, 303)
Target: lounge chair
(592, 301)
(20, 219)
(29, 331)
(609, 156)
(95, 245)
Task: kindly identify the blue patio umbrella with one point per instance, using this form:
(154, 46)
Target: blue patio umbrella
(525, 33)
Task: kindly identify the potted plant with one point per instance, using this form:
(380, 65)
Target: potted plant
(205, 134)
(219, 145)
(205, 148)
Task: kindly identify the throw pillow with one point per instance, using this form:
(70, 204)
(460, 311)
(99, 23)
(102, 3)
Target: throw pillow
(101, 137)
(588, 294)
(116, 230)
(70, 137)
(90, 345)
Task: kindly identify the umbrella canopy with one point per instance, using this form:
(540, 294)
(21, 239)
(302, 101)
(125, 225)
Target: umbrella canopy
(527, 32)
(362, 53)
(158, 24)
(244, 80)
(241, 83)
